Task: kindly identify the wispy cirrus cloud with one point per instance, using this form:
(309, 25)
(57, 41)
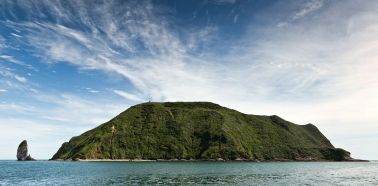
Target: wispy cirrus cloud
(8, 73)
(92, 90)
(16, 35)
(76, 110)
(303, 10)
(127, 95)
(11, 59)
(160, 65)
(307, 8)
(129, 48)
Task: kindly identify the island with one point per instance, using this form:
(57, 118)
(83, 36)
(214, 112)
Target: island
(23, 153)
(199, 131)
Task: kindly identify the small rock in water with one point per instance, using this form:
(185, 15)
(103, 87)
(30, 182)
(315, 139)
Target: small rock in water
(22, 152)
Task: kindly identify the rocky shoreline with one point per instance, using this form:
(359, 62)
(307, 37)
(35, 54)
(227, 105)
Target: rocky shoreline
(201, 160)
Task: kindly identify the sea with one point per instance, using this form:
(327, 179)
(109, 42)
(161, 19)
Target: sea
(188, 173)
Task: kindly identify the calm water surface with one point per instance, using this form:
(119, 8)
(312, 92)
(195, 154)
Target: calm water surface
(188, 173)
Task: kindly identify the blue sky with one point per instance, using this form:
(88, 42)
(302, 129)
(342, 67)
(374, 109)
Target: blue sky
(68, 66)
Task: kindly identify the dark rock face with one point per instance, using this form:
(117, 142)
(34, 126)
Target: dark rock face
(337, 154)
(22, 152)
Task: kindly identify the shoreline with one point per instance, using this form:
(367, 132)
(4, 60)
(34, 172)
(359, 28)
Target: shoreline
(200, 160)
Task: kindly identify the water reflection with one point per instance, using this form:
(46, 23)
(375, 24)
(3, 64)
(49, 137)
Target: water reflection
(185, 173)
(191, 179)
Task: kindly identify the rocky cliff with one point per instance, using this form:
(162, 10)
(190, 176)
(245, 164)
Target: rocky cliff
(22, 152)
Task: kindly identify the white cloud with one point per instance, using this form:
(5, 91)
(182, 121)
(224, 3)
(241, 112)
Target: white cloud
(11, 59)
(16, 35)
(66, 109)
(13, 107)
(7, 73)
(307, 8)
(20, 78)
(77, 110)
(92, 91)
(304, 9)
(127, 95)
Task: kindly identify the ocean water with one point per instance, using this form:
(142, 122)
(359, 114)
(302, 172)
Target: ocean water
(188, 173)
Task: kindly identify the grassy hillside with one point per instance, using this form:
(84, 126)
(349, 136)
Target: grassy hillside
(199, 130)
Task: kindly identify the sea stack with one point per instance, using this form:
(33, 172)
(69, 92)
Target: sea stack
(22, 152)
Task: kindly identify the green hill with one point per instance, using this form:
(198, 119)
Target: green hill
(199, 130)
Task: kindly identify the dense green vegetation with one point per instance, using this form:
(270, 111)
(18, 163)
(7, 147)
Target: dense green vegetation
(199, 130)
